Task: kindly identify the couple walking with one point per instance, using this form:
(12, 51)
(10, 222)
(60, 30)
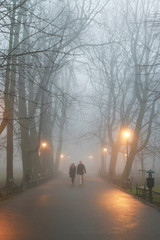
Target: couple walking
(81, 170)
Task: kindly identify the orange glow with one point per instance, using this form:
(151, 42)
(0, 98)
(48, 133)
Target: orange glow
(44, 144)
(126, 134)
(43, 200)
(105, 149)
(62, 156)
(12, 226)
(120, 207)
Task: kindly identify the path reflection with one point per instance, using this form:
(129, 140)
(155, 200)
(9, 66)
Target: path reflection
(11, 227)
(43, 200)
(121, 208)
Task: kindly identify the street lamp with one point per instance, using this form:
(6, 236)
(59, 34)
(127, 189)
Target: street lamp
(90, 157)
(44, 144)
(44, 157)
(126, 135)
(105, 151)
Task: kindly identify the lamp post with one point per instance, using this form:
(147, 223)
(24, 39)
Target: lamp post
(44, 157)
(62, 161)
(105, 151)
(90, 157)
(44, 145)
(126, 135)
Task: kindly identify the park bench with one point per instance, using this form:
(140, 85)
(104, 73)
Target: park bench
(31, 181)
(141, 191)
(12, 187)
(127, 184)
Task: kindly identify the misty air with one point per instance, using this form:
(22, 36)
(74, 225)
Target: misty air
(79, 119)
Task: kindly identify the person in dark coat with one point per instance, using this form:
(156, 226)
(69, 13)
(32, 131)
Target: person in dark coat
(81, 170)
(72, 172)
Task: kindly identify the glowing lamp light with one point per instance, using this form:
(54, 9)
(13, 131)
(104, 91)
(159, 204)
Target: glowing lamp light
(105, 149)
(126, 134)
(44, 144)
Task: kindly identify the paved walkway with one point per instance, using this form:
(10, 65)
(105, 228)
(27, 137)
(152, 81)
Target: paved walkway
(58, 211)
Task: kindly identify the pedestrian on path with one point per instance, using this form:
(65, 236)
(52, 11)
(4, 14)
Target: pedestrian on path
(81, 170)
(72, 173)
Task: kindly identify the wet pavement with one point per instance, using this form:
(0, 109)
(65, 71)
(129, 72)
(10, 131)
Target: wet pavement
(58, 211)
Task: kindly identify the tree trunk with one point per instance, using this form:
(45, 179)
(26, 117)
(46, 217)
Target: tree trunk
(113, 161)
(59, 149)
(9, 175)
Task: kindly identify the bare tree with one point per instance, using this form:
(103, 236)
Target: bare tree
(40, 43)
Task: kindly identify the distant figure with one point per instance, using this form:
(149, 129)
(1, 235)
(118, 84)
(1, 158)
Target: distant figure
(72, 173)
(81, 170)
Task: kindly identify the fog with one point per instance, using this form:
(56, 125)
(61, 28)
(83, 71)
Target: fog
(76, 76)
